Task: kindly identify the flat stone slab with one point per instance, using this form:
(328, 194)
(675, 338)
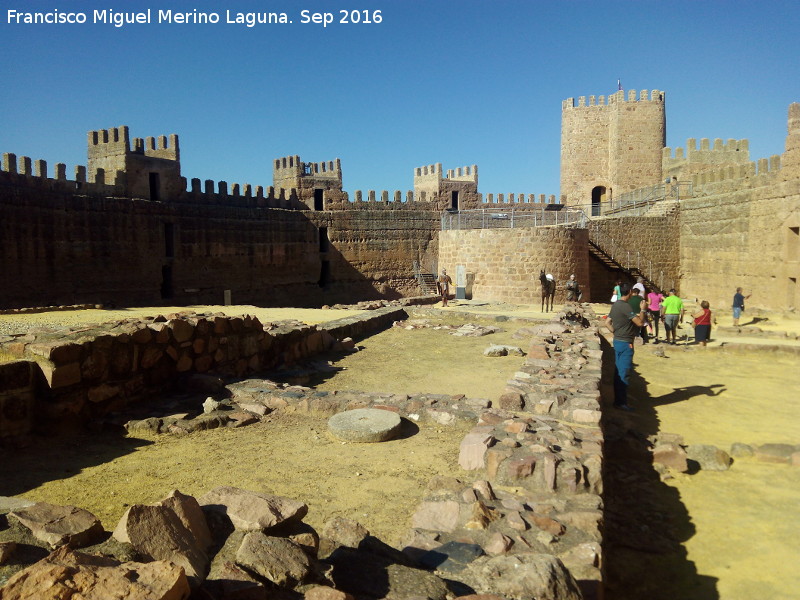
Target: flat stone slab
(365, 425)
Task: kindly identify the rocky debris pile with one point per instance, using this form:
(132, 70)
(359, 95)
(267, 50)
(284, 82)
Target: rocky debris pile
(539, 454)
(55, 308)
(670, 452)
(474, 533)
(376, 304)
(252, 400)
(466, 330)
(503, 350)
(540, 449)
(536, 508)
(230, 544)
(561, 373)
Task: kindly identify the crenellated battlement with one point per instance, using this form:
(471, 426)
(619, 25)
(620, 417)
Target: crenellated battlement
(34, 173)
(220, 193)
(619, 97)
(289, 172)
(292, 166)
(468, 173)
(432, 180)
(167, 147)
(116, 142)
(109, 142)
(720, 147)
(686, 162)
(377, 200)
(428, 170)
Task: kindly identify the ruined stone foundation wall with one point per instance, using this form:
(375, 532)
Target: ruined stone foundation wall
(747, 238)
(88, 373)
(506, 262)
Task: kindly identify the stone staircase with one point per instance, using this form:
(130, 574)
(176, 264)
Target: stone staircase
(427, 283)
(617, 264)
(663, 208)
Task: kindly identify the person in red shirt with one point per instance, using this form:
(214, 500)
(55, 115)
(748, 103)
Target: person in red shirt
(702, 324)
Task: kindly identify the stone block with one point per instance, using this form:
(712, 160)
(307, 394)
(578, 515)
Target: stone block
(511, 400)
(102, 392)
(62, 376)
(437, 516)
(472, 450)
(520, 467)
(182, 330)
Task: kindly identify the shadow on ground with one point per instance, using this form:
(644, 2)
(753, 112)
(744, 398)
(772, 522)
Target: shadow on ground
(646, 523)
(49, 457)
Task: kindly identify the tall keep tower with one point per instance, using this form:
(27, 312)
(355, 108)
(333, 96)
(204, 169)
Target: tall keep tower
(610, 148)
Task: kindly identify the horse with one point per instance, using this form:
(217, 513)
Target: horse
(548, 291)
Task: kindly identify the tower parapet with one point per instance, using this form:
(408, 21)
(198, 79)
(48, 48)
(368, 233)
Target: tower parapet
(458, 189)
(150, 170)
(313, 181)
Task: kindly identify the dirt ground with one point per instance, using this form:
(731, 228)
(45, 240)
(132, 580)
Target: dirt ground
(739, 528)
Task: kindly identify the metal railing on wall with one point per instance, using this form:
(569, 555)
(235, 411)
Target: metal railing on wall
(630, 260)
(637, 202)
(486, 218)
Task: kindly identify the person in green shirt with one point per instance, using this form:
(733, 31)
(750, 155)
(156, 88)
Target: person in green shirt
(672, 314)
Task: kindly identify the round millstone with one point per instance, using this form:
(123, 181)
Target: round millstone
(365, 425)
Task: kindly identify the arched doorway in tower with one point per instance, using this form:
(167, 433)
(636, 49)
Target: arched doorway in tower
(598, 197)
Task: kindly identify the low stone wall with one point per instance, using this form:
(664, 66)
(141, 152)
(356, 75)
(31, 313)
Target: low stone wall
(91, 371)
(20, 384)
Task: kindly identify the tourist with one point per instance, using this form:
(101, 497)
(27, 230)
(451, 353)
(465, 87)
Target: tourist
(638, 304)
(574, 293)
(654, 300)
(444, 283)
(624, 323)
(615, 294)
(672, 313)
(738, 305)
(702, 324)
(639, 285)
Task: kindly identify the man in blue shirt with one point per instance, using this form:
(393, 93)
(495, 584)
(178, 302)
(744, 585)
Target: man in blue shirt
(625, 323)
(738, 305)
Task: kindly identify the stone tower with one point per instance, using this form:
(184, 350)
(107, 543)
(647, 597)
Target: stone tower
(150, 170)
(313, 182)
(610, 148)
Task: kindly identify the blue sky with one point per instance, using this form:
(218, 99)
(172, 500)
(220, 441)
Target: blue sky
(461, 83)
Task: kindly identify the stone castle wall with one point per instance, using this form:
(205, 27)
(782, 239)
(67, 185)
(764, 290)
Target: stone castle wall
(62, 248)
(506, 262)
(746, 238)
(65, 243)
(742, 229)
(690, 160)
